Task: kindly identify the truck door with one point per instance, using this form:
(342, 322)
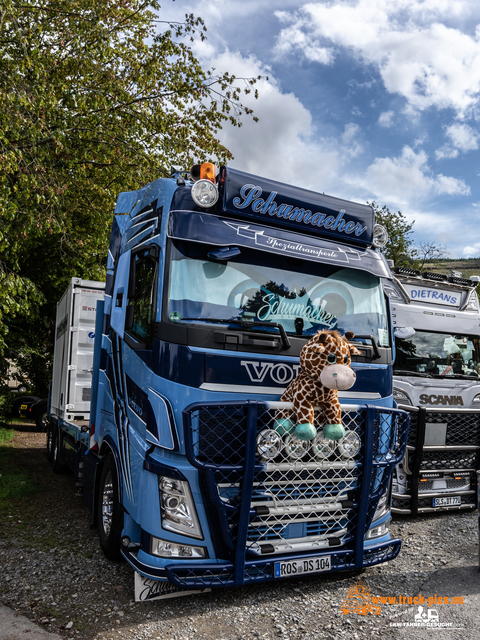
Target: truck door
(132, 319)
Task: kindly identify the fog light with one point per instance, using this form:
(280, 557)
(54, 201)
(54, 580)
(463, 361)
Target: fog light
(380, 236)
(323, 447)
(204, 193)
(166, 549)
(269, 444)
(350, 444)
(296, 448)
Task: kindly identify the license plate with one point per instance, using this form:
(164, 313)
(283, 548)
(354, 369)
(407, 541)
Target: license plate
(23, 410)
(451, 501)
(300, 567)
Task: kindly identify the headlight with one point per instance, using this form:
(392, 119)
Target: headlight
(401, 397)
(378, 532)
(350, 444)
(177, 507)
(296, 448)
(382, 507)
(476, 400)
(204, 193)
(166, 549)
(323, 447)
(269, 444)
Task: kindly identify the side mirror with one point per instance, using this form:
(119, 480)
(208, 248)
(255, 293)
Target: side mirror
(404, 332)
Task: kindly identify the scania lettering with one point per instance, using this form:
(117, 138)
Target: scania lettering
(214, 284)
(436, 379)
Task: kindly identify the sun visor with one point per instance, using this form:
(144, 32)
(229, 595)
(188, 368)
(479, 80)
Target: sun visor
(216, 230)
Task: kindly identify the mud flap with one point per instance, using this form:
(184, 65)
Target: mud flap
(147, 589)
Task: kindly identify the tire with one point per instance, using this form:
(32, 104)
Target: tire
(109, 510)
(41, 419)
(57, 465)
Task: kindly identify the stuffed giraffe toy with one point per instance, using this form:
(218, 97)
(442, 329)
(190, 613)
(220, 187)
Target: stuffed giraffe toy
(325, 369)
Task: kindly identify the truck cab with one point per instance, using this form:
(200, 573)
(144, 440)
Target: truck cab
(214, 284)
(437, 380)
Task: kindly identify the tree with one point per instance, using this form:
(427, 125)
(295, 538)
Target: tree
(96, 97)
(426, 251)
(398, 247)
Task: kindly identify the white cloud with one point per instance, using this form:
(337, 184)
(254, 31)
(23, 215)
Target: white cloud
(409, 178)
(283, 145)
(463, 137)
(418, 57)
(386, 119)
(446, 153)
(472, 251)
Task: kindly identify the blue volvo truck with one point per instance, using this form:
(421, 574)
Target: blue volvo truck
(164, 403)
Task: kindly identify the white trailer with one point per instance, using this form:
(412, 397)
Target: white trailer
(436, 322)
(74, 338)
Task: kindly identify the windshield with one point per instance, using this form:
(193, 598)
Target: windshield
(439, 355)
(302, 296)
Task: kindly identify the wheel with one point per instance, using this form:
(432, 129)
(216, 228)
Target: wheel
(57, 466)
(41, 419)
(21, 389)
(109, 510)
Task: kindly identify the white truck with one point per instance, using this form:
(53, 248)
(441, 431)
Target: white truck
(436, 378)
(71, 388)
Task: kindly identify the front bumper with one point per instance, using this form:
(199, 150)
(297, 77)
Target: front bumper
(262, 511)
(187, 575)
(453, 458)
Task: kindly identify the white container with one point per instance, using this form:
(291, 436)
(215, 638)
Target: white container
(73, 355)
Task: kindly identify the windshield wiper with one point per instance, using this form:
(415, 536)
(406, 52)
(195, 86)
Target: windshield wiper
(406, 372)
(248, 325)
(459, 376)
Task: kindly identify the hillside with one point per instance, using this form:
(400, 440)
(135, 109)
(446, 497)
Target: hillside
(467, 267)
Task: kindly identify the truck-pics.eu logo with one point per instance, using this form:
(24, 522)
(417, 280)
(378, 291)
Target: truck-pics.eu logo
(359, 600)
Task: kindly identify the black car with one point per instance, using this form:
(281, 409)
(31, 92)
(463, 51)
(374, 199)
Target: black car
(33, 409)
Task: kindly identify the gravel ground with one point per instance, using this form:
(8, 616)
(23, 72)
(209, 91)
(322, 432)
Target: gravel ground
(54, 572)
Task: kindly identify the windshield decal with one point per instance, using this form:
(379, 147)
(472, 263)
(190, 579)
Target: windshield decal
(275, 307)
(294, 248)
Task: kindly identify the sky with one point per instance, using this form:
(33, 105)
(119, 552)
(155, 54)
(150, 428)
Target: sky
(367, 100)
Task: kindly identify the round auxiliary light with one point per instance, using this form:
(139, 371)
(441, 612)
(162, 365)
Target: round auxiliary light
(296, 448)
(350, 444)
(269, 444)
(204, 193)
(323, 447)
(380, 236)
